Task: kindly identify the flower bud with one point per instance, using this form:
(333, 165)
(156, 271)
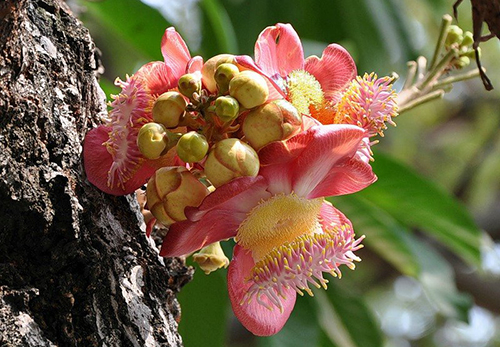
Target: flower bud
(208, 70)
(223, 75)
(455, 35)
(192, 147)
(249, 88)
(471, 54)
(211, 258)
(227, 108)
(274, 121)
(152, 140)
(169, 109)
(462, 62)
(170, 190)
(230, 158)
(468, 39)
(189, 84)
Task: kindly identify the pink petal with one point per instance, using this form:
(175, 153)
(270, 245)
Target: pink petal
(195, 65)
(255, 317)
(97, 162)
(175, 52)
(239, 195)
(348, 178)
(278, 51)
(157, 77)
(331, 146)
(186, 237)
(330, 216)
(246, 63)
(334, 70)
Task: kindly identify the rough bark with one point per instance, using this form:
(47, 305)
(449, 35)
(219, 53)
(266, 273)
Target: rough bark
(75, 265)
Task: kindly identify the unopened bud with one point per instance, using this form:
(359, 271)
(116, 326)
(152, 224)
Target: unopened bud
(249, 88)
(211, 258)
(152, 140)
(208, 70)
(468, 39)
(471, 54)
(274, 121)
(169, 109)
(170, 190)
(462, 62)
(223, 75)
(189, 84)
(192, 147)
(227, 108)
(455, 35)
(230, 158)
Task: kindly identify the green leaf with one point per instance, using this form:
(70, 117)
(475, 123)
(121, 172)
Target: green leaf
(346, 319)
(300, 330)
(205, 306)
(134, 22)
(217, 25)
(383, 234)
(417, 202)
(438, 281)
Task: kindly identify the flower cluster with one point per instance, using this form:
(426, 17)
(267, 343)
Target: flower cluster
(248, 149)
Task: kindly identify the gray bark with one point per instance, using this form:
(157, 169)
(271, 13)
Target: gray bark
(75, 265)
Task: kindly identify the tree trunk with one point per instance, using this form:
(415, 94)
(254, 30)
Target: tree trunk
(75, 265)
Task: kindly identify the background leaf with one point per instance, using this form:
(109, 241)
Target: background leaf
(417, 202)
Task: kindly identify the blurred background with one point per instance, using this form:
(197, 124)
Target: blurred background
(430, 275)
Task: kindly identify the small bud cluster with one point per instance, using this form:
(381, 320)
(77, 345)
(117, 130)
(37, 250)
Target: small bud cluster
(215, 121)
(456, 38)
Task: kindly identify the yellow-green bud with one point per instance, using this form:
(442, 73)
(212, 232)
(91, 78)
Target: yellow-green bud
(468, 39)
(472, 54)
(169, 109)
(189, 84)
(211, 258)
(208, 70)
(462, 62)
(223, 75)
(170, 190)
(249, 88)
(152, 140)
(227, 108)
(274, 121)
(230, 158)
(455, 35)
(192, 147)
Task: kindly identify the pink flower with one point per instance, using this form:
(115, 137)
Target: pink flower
(287, 235)
(112, 159)
(309, 84)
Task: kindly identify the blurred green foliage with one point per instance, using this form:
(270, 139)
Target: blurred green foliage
(412, 217)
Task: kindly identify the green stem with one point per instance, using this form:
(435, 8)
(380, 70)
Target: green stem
(453, 79)
(438, 69)
(437, 94)
(445, 24)
(410, 76)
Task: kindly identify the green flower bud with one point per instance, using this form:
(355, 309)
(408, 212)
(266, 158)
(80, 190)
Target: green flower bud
(249, 88)
(189, 84)
(170, 190)
(192, 147)
(152, 140)
(462, 62)
(211, 258)
(471, 54)
(274, 121)
(169, 109)
(455, 35)
(231, 158)
(468, 39)
(227, 108)
(208, 70)
(223, 75)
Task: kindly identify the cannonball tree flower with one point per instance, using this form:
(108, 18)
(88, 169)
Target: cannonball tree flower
(287, 235)
(112, 159)
(325, 88)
